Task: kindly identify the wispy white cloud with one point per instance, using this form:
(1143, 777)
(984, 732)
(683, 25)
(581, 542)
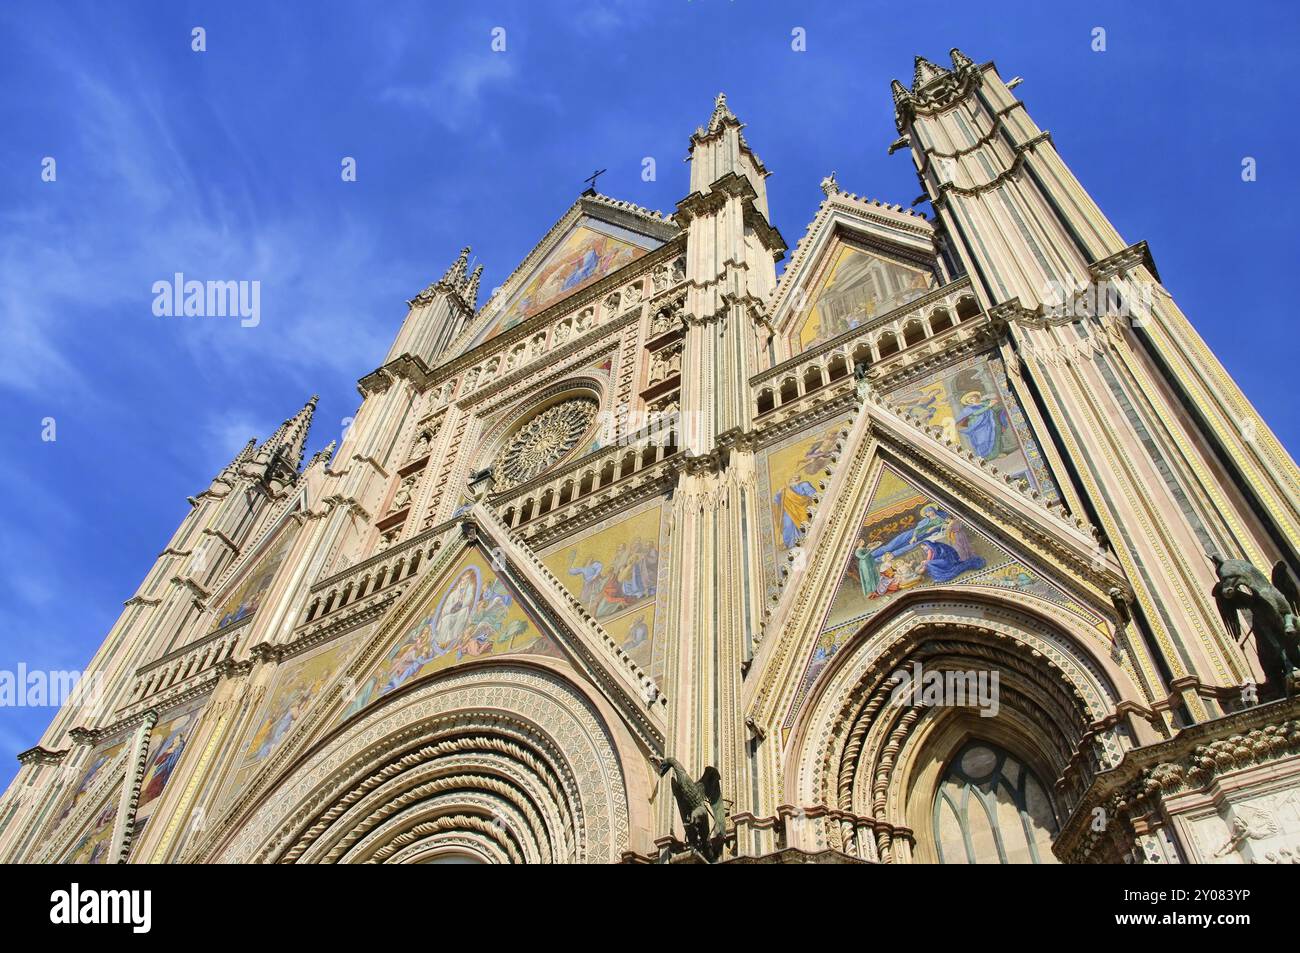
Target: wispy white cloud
(227, 432)
(152, 217)
(456, 95)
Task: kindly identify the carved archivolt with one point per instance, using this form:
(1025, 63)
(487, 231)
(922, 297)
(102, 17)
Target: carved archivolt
(866, 763)
(506, 764)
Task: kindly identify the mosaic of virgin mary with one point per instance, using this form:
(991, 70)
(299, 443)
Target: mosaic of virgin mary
(584, 256)
(476, 616)
(933, 548)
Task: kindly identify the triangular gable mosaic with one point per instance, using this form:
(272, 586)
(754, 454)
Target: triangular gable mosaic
(472, 615)
(855, 288)
(908, 540)
(591, 250)
(100, 759)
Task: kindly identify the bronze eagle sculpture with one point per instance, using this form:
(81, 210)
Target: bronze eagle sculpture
(701, 806)
(1274, 606)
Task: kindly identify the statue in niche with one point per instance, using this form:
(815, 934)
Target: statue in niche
(402, 498)
(423, 441)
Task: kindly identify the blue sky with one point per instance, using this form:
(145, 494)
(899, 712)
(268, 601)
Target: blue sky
(225, 165)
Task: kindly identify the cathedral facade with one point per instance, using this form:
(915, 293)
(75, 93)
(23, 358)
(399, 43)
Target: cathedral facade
(930, 550)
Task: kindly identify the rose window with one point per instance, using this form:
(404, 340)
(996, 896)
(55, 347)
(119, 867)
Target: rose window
(543, 441)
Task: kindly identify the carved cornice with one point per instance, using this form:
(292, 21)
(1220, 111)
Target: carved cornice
(348, 504)
(200, 594)
(173, 696)
(1124, 261)
(1021, 151)
(938, 95)
(264, 652)
(222, 538)
(404, 367)
(1188, 761)
(698, 204)
(193, 647)
(774, 426)
(767, 233)
(352, 616)
(40, 755)
(601, 340)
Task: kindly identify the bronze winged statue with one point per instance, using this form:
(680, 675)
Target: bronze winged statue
(1274, 606)
(702, 808)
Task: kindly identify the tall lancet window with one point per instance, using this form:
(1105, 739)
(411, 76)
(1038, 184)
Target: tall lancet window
(991, 809)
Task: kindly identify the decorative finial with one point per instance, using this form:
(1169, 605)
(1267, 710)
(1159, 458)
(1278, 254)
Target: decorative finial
(470, 291)
(720, 112)
(455, 275)
(924, 72)
(829, 185)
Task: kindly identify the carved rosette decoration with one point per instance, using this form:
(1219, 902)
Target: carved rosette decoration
(543, 441)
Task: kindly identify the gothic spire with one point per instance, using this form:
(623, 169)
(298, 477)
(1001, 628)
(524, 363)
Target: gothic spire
(242, 457)
(925, 71)
(455, 276)
(470, 291)
(230, 472)
(721, 111)
(959, 59)
(323, 457)
(284, 449)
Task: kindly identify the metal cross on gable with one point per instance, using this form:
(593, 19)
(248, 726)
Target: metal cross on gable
(591, 179)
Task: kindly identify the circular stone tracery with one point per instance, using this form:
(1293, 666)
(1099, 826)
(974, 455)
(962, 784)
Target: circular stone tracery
(543, 441)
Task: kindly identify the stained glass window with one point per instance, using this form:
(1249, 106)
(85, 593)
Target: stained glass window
(991, 809)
